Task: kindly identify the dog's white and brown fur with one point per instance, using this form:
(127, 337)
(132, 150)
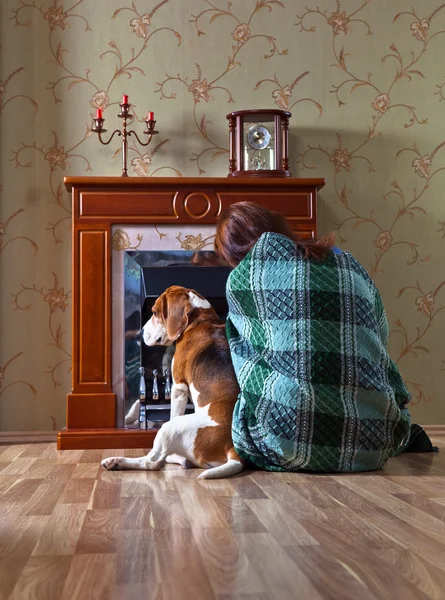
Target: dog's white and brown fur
(202, 369)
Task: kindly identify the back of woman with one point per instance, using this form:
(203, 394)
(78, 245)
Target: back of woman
(308, 338)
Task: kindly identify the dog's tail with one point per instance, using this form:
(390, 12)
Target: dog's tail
(233, 466)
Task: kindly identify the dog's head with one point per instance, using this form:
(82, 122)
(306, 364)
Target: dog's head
(172, 312)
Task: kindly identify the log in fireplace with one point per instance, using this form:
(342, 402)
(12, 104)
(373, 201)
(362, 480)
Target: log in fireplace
(117, 220)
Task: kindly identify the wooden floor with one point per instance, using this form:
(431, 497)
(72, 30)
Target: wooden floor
(70, 530)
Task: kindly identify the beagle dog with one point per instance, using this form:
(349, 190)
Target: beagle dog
(202, 369)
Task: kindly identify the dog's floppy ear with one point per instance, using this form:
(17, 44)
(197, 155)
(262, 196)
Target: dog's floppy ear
(177, 311)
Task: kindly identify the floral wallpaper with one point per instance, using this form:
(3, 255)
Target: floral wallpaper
(364, 81)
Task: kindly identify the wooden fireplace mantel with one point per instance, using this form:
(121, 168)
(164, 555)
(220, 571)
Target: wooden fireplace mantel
(98, 203)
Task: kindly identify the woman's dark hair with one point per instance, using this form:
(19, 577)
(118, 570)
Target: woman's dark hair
(243, 223)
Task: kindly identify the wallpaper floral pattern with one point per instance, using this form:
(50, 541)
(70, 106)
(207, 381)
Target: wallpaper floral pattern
(363, 79)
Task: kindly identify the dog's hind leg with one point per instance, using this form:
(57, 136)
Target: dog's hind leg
(116, 463)
(174, 437)
(175, 459)
(154, 461)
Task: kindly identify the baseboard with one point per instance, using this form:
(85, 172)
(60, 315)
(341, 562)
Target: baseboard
(434, 430)
(27, 437)
(106, 439)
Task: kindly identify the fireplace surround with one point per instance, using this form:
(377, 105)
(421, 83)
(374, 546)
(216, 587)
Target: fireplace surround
(108, 213)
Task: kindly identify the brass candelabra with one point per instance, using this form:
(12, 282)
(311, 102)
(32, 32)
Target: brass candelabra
(124, 133)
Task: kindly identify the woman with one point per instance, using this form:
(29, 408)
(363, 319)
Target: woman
(308, 336)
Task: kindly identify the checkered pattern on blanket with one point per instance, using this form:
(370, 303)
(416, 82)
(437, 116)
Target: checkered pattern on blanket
(308, 339)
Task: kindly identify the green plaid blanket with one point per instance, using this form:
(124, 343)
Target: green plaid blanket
(308, 339)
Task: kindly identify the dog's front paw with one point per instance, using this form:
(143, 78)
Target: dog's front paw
(113, 463)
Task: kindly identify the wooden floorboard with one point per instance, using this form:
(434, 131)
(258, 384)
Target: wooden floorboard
(70, 530)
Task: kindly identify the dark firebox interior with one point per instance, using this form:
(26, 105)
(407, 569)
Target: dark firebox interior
(198, 271)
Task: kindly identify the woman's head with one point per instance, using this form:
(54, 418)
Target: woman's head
(243, 223)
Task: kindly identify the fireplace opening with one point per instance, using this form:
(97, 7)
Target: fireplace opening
(147, 275)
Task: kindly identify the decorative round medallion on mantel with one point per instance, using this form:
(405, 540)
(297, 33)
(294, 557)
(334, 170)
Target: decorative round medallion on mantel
(197, 205)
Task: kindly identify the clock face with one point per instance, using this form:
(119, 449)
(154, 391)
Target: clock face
(258, 137)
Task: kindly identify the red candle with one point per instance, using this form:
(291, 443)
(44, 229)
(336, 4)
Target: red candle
(99, 113)
(151, 116)
(125, 99)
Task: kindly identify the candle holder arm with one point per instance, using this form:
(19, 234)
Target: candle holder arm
(149, 133)
(99, 133)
